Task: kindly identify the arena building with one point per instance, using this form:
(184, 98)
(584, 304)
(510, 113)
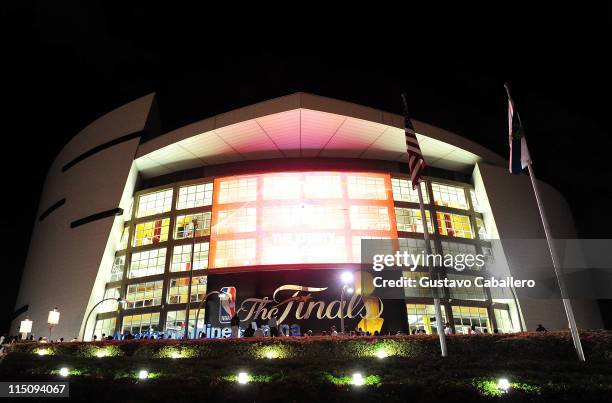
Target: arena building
(283, 191)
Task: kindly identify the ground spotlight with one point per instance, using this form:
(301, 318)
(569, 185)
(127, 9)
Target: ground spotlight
(64, 371)
(243, 378)
(143, 374)
(357, 379)
(381, 354)
(503, 384)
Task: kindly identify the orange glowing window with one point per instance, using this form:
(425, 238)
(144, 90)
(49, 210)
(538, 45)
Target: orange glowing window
(298, 217)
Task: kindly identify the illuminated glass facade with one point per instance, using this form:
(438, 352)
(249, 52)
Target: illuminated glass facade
(288, 218)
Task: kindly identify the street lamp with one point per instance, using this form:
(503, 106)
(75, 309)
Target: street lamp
(53, 320)
(25, 327)
(195, 330)
(195, 227)
(347, 278)
(119, 300)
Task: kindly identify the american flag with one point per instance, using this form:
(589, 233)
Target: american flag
(416, 162)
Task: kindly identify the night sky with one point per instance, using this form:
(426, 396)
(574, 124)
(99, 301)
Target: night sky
(64, 64)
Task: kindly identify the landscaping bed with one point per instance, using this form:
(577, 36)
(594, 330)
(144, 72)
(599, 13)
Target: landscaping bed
(539, 367)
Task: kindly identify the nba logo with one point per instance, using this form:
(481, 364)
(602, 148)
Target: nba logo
(227, 306)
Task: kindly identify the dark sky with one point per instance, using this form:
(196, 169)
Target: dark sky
(63, 64)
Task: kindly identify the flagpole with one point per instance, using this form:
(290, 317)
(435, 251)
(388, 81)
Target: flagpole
(436, 298)
(438, 310)
(567, 305)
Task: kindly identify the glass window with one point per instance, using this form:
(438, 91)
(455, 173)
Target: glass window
(466, 316)
(236, 252)
(175, 323)
(151, 232)
(467, 293)
(194, 196)
(177, 291)
(409, 220)
(366, 187)
(237, 190)
(281, 187)
(370, 218)
(457, 248)
(154, 203)
(413, 246)
(454, 225)
(110, 306)
(304, 216)
(504, 320)
(144, 294)
(423, 317)
(357, 245)
(475, 202)
(312, 247)
(402, 191)
(117, 269)
(181, 257)
(449, 196)
(237, 220)
(480, 227)
(488, 254)
(125, 236)
(417, 291)
(323, 186)
(105, 327)
(145, 323)
(184, 225)
(148, 263)
(299, 217)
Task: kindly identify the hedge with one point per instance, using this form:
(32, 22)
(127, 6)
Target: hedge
(550, 346)
(540, 367)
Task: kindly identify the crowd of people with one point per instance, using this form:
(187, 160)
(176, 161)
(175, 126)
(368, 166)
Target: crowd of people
(254, 329)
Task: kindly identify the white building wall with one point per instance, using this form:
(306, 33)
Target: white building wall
(63, 263)
(515, 216)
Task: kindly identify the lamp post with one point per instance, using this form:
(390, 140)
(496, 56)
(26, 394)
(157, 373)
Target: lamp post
(195, 331)
(119, 300)
(195, 227)
(53, 320)
(347, 278)
(25, 327)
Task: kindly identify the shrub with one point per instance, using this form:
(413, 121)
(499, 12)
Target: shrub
(550, 346)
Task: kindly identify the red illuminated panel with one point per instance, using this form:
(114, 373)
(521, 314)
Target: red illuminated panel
(298, 217)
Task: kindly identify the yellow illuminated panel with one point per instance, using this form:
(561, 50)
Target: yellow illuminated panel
(298, 217)
(454, 225)
(151, 232)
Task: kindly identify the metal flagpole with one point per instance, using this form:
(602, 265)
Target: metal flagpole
(566, 301)
(437, 308)
(416, 163)
(551, 247)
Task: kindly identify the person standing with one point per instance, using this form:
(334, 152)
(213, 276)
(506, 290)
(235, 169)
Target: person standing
(235, 323)
(448, 330)
(273, 324)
